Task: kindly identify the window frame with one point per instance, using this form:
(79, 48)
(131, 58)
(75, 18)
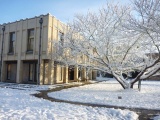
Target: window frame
(32, 72)
(30, 40)
(61, 37)
(61, 41)
(12, 39)
(8, 71)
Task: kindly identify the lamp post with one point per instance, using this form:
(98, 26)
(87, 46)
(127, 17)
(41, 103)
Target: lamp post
(39, 53)
(3, 29)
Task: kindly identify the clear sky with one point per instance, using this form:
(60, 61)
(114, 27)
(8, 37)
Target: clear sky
(12, 10)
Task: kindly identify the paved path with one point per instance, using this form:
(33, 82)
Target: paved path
(144, 114)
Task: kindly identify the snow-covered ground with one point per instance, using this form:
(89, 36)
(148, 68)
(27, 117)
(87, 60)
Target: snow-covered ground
(16, 103)
(156, 118)
(107, 93)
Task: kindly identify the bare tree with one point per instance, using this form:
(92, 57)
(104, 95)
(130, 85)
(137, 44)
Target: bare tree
(113, 41)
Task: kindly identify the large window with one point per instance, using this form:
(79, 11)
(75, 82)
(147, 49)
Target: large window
(61, 37)
(30, 40)
(8, 71)
(12, 39)
(11, 71)
(32, 72)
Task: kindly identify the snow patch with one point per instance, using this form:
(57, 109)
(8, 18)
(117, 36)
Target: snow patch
(156, 118)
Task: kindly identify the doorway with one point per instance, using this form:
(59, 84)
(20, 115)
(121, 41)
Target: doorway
(29, 71)
(11, 71)
(71, 73)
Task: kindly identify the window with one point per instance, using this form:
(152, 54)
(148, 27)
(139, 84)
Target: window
(12, 39)
(8, 71)
(32, 72)
(61, 38)
(30, 40)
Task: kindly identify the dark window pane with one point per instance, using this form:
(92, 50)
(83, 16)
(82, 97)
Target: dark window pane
(11, 42)
(30, 40)
(32, 72)
(8, 71)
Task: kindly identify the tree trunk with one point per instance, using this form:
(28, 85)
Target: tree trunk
(131, 86)
(126, 85)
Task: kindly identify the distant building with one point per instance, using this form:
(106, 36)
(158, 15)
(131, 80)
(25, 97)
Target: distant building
(21, 47)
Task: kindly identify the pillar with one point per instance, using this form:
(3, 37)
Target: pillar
(84, 74)
(75, 73)
(46, 72)
(90, 75)
(65, 80)
(4, 71)
(19, 71)
(41, 72)
(51, 72)
(57, 73)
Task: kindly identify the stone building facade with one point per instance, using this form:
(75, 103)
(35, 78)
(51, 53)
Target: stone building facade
(19, 49)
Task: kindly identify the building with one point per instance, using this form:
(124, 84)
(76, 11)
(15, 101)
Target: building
(21, 51)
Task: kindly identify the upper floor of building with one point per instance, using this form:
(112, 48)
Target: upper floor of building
(21, 38)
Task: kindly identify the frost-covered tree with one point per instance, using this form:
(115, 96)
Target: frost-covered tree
(145, 20)
(114, 41)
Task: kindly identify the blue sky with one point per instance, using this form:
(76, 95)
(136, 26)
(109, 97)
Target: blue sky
(12, 10)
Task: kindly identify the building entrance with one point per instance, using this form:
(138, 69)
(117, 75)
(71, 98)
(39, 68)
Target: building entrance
(71, 73)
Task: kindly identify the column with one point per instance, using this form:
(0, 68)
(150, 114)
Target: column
(75, 73)
(83, 74)
(90, 75)
(57, 73)
(4, 73)
(19, 71)
(46, 72)
(51, 72)
(65, 80)
(41, 73)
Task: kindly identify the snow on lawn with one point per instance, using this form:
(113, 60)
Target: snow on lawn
(156, 118)
(20, 105)
(107, 93)
(102, 78)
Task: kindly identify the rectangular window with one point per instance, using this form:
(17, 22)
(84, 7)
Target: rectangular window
(61, 38)
(8, 71)
(12, 39)
(33, 72)
(30, 40)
